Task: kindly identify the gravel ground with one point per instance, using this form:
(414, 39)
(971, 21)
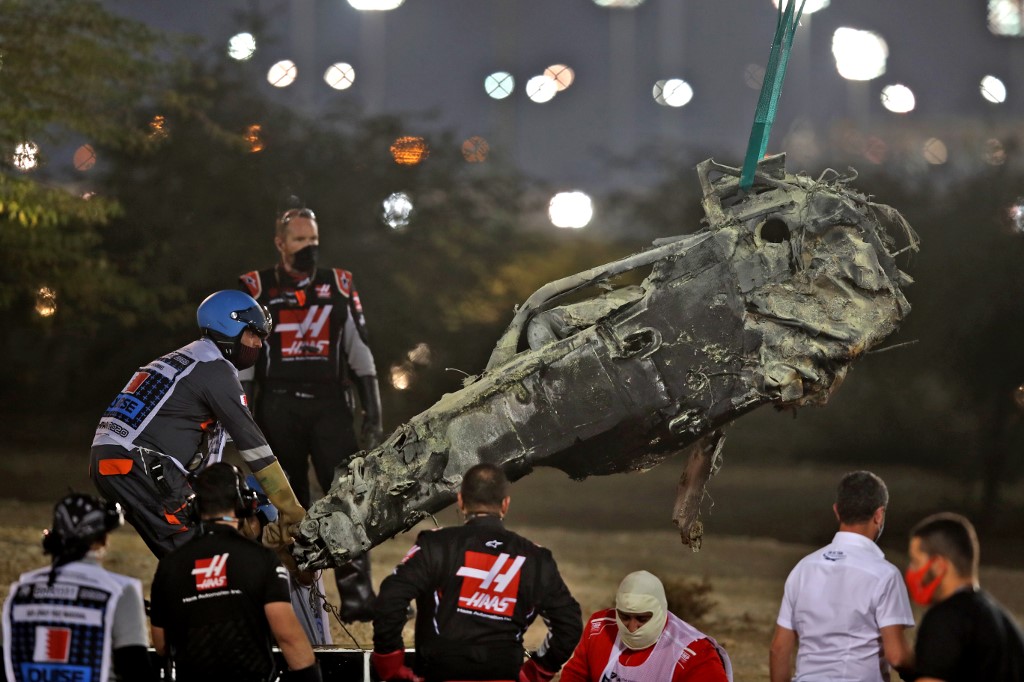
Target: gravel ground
(761, 522)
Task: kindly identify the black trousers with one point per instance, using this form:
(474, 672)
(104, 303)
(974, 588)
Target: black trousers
(317, 429)
(301, 430)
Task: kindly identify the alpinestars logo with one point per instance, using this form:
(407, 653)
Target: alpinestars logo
(490, 583)
(211, 573)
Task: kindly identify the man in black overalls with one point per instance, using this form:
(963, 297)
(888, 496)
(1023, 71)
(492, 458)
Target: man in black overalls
(221, 600)
(318, 349)
(477, 587)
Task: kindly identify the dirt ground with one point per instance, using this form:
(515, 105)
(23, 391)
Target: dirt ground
(760, 522)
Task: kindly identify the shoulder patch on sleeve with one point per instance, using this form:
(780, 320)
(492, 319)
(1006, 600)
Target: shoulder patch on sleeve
(410, 553)
(252, 282)
(343, 278)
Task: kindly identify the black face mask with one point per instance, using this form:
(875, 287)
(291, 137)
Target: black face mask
(245, 356)
(305, 259)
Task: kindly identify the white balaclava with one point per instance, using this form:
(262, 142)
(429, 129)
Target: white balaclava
(641, 592)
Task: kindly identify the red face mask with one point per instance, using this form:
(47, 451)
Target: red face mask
(921, 592)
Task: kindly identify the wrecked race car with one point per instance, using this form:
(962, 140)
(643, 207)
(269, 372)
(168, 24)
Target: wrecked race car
(768, 303)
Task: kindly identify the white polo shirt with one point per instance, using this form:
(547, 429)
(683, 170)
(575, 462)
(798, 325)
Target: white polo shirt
(836, 600)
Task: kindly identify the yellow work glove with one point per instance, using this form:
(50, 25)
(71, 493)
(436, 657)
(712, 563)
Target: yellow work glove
(289, 512)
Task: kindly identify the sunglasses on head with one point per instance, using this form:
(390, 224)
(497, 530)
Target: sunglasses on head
(293, 213)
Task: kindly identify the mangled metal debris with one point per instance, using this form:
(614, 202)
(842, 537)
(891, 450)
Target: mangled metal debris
(768, 303)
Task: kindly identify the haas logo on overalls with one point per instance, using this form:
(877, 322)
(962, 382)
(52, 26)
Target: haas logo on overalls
(490, 583)
(211, 573)
(305, 332)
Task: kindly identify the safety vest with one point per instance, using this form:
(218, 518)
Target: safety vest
(146, 392)
(61, 632)
(661, 663)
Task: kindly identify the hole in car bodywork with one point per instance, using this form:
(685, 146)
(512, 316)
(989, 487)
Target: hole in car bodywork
(773, 230)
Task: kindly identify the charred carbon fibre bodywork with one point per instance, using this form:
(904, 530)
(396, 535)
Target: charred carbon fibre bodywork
(768, 303)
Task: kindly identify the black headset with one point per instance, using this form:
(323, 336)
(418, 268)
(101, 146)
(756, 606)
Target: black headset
(247, 500)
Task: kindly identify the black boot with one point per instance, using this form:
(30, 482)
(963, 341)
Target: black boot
(356, 590)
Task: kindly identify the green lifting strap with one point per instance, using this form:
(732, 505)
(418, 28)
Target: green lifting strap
(771, 88)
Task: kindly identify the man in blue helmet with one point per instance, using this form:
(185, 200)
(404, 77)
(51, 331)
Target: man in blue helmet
(171, 420)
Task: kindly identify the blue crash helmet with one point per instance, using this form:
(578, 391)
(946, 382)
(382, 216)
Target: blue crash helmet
(226, 314)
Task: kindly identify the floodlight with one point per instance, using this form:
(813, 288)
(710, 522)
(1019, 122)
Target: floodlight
(860, 55)
(993, 89)
(241, 46)
(570, 209)
(898, 98)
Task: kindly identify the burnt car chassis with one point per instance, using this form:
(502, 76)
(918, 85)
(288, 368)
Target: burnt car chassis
(769, 302)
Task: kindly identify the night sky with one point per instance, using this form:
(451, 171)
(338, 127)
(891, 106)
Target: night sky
(428, 60)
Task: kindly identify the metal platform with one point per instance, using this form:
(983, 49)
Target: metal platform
(337, 664)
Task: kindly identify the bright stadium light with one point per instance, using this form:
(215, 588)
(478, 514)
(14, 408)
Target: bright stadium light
(625, 4)
(541, 89)
(1016, 213)
(570, 209)
(340, 76)
(810, 7)
(282, 74)
(898, 98)
(993, 89)
(860, 55)
(1005, 17)
(46, 302)
(26, 156)
(376, 5)
(673, 92)
(397, 210)
(242, 46)
(499, 85)
(401, 376)
(561, 74)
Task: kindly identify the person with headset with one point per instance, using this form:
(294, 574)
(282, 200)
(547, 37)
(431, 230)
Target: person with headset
(171, 419)
(75, 620)
(307, 589)
(301, 384)
(221, 599)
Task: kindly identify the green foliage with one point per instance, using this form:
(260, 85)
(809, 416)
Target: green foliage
(197, 209)
(69, 70)
(72, 65)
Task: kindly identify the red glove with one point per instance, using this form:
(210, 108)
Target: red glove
(531, 672)
(392, 666)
